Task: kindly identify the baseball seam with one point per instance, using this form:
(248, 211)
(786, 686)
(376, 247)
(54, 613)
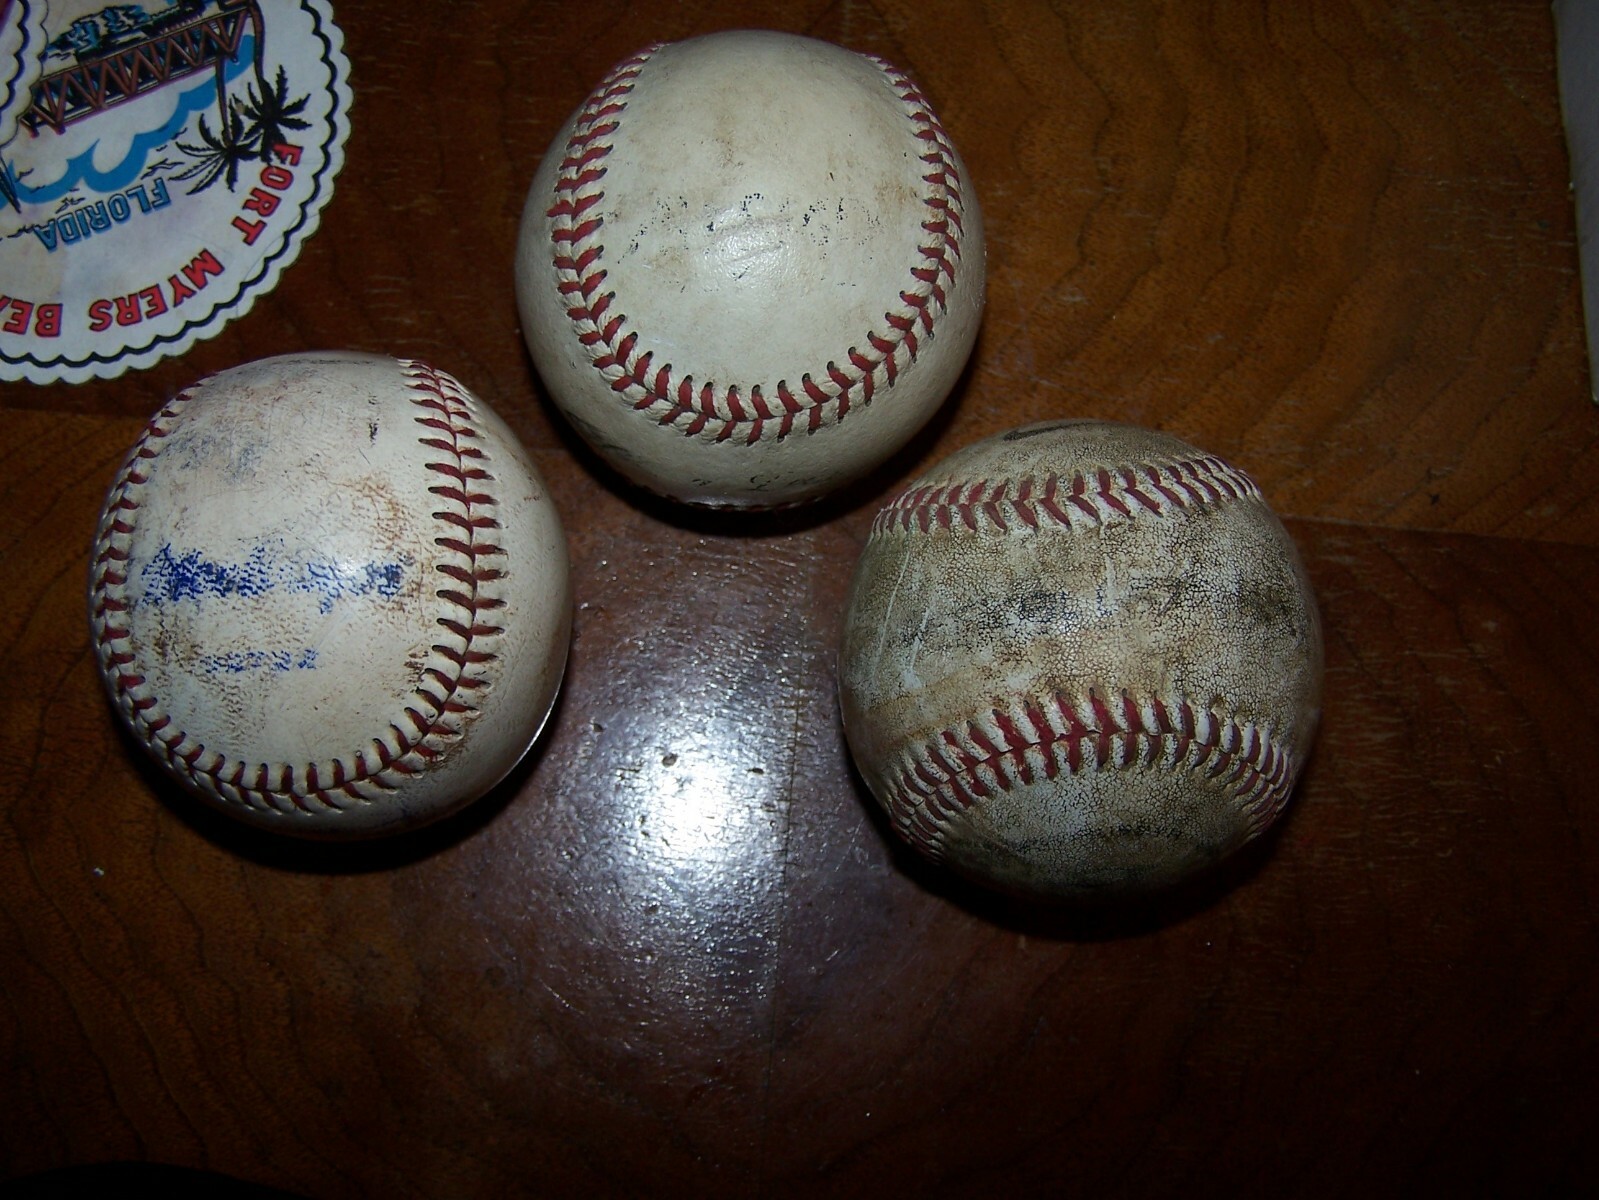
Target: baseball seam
(825, 395)
(1046, 737)
(1107, 495)
(435, 716)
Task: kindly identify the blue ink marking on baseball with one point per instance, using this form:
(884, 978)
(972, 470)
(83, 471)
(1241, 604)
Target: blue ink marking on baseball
(173, 576)
(333, 580)
(237, 662)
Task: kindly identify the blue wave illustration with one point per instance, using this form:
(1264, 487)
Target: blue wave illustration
(81, 170)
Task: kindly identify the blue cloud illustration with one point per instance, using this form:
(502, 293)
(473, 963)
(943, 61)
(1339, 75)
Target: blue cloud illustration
(81, 170)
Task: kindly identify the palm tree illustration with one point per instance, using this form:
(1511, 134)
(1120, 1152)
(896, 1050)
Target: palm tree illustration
(219, 155)
(272, 114)
(248, 128)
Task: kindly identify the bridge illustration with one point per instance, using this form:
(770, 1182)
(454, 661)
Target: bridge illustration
(120, 54)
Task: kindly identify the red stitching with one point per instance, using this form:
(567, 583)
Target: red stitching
(1051, 736)
(723, 412)
(434, 725)
(1117, 494)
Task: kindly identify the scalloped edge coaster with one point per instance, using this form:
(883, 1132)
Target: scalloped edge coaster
(21, 56)
(167, 163)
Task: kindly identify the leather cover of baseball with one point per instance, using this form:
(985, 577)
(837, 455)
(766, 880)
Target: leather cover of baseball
(329, 594)
(750, 267)
(1080, 660)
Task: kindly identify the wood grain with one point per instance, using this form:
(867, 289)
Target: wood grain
(679, 950)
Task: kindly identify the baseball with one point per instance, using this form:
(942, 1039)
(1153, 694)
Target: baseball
(329, 594)
(750, 268)
(1080, 660)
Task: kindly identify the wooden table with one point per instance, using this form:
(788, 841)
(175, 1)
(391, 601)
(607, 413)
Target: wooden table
(678, 952)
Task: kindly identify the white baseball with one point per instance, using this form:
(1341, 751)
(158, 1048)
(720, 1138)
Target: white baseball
(750, 267)
(1080, 659)
(330, 594)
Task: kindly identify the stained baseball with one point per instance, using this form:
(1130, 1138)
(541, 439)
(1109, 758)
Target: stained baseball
(750, 267)
(1080, 659)
(329, 594)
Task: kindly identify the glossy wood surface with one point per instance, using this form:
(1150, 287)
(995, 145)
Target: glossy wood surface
(678, 952)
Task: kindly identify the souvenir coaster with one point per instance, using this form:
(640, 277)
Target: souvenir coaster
(166, 163)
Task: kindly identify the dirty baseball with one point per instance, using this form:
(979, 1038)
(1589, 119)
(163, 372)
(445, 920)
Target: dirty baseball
(750, 267)
(329, 594)
(1080, 660)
